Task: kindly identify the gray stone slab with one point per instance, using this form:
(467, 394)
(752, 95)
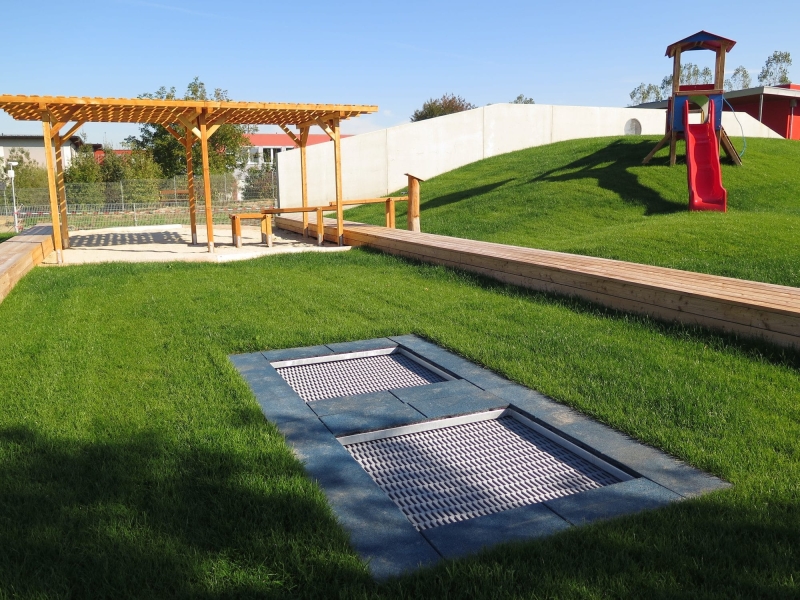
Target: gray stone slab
(354, 403)
(297, 353)
(243, 363)
(442, 389)
(379, 532)
(277, 400)
(531, 401)
(381, 413)
(450, 406)
(483, 378)
(438, 356)
(471, 536)
(645, 460)
(611, 501)
(362, 345)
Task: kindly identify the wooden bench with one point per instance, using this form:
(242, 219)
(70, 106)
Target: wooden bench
(305, 209)
(21, 253)
(173, 195)
(747, 308)
(266, 227)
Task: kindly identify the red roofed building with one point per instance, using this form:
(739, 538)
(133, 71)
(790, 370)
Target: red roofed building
(266, 146)
(775, 106)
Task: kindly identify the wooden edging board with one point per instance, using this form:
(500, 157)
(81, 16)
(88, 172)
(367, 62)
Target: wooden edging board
(21, 253)
(748, 308)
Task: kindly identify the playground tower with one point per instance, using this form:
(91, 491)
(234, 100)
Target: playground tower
(702, 140)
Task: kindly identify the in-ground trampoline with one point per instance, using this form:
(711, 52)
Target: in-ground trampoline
(424, 455)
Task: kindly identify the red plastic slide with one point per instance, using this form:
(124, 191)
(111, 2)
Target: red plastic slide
(702, 164)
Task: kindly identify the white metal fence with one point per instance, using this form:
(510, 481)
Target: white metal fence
(100, 216)
(137, 202)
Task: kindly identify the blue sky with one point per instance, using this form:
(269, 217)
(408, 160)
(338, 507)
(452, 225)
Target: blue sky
(392, 54)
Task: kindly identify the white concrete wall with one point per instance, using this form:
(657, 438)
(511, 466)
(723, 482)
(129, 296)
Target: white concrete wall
(374, 164)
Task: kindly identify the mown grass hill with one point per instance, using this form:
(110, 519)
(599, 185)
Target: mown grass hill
(594, 197)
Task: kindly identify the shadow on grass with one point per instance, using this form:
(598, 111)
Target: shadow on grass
(462, 195)
(146, 517)
(610, 166)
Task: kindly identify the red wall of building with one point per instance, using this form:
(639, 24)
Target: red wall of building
(776, 114)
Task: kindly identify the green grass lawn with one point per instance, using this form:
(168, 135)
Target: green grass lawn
(135, 462)
(594, 197)
(6, 236)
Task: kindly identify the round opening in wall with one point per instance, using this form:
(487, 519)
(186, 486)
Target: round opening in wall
(633, 127)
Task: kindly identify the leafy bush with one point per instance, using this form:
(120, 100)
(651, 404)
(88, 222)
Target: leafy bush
(438, 107)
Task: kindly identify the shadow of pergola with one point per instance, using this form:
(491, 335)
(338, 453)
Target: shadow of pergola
(101, 240)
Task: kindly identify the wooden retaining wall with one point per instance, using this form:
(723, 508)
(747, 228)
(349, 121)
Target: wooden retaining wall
(748, 308)
(21, 253)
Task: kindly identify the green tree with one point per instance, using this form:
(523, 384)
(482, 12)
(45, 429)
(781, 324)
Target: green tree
(691, 74)
(522, 99)
(259, 182)
(140, 165)
(740, 80)
(225, 146)
(776, 69)
(645, 92)
(112, 167)
(142, 176)
(28, 173)
(84, 167)
(437, 107)
(84, 178)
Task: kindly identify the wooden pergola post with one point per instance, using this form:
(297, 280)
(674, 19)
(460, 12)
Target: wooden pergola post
(206, 179)
(187, 144)
(412, 220)
(337, 157)
(61, 191)
(304, 174)
(51, 181)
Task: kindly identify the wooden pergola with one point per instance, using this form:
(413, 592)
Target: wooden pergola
(186, 120)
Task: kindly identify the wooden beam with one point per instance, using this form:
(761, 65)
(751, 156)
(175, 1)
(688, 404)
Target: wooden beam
(719, 74)
(412, 219)
(56, 127)
(676, 73)
(187, 144)
(727, 146)
(190, 126)
(291, 134)
(337, 158)
(326, 118)
(326, 127)
(51, 182)
(61, 192)
(320, 227)
(206, 181)
(303, 142)
(217, 124)
(658, 147)
(175, 134)
(72, 131)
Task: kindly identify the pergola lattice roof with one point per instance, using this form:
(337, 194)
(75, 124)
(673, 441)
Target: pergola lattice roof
(164, 112)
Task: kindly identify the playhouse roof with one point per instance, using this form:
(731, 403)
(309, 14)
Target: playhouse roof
(702, 40)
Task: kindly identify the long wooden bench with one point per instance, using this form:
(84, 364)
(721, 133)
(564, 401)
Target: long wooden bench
(747, 308)
(21, 253)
